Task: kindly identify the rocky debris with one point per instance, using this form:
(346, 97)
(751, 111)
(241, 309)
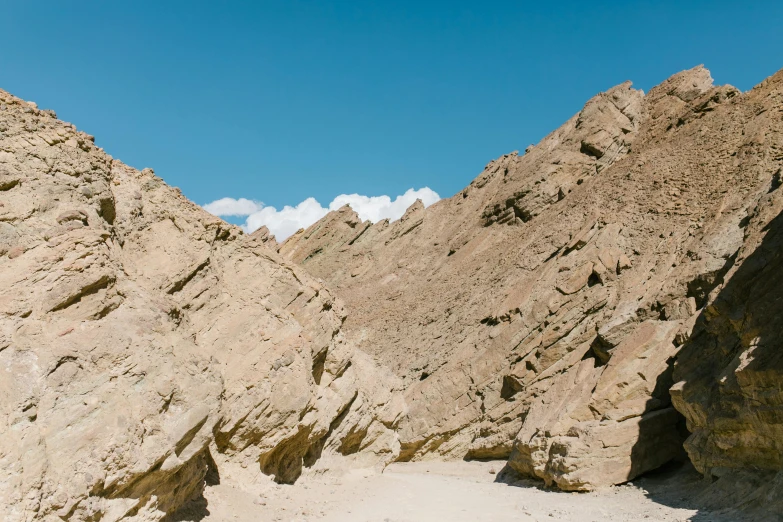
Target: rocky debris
(148, 346)
(537, 314)
(591, 141)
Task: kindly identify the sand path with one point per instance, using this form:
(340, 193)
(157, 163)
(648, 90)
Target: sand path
(450, 491)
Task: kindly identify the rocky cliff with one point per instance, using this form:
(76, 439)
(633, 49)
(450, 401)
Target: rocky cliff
(585, 310)
(148, 347)
(537, 315)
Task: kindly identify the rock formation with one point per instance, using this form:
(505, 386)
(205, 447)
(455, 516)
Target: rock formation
(537, 314)
(147, 345)
(265, 236)
(584, 310)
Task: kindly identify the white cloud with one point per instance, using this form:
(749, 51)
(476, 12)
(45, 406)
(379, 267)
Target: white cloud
(233, 207)
(283, 223)
(377, 208)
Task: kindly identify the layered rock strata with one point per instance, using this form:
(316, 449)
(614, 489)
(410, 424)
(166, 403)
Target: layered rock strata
(147, 346)
(730, 372)
(537, 314)
(580, 310)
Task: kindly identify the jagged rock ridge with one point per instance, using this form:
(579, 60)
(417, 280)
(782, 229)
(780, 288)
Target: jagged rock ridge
(537, 314)
(148, 346)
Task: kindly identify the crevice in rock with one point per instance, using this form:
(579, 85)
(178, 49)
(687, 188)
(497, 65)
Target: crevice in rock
(63, 360)
(352, 442)
(180, 284)
(212, 477)
(175, 314)
(189, 436)
(701, 286)
(510, 387)
(107, 209)
(553, 255)
(318, 365)
(361, 232)
(599, 351)
(8, 184)
(312, 254)
(522, 214)
(409, 449)
(315, 450)
(777, 181)
(286, 459)
(590, 150)
(102, 283)
(490, 320)
(108, 308)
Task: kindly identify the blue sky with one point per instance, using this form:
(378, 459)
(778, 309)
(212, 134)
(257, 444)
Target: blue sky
(281, 101)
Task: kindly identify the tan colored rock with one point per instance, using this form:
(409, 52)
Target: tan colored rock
(620, 222)
(536, 316)
(598, 425)
(147, 344)
(623, 263)
(265, 236)
(15, 252)
(729, 371)
(577, 280)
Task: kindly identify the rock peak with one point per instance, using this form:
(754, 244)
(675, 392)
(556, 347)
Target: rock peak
(559, 286)
(149, 343)
(415, 208)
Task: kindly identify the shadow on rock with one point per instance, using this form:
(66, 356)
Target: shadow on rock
(194, 511)
(510, 477)
(680, 486)
(729, 385)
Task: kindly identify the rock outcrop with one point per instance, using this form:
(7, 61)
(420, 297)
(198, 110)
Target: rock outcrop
(730, 371)
(585, 310)
(147, 346)
(537, 314)
(265, 236)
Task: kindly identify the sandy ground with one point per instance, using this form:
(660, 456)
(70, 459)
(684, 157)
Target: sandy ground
(450, 491)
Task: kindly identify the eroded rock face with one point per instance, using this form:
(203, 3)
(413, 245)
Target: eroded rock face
(537, 314)
(145, 344)
(265, 236)
(730, 372)
(603, 425)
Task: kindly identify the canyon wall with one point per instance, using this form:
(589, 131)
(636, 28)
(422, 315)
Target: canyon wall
(537, 314)
(588, 310)
(147, 346)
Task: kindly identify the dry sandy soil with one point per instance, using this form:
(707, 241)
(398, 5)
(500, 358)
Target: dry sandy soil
(453, 491)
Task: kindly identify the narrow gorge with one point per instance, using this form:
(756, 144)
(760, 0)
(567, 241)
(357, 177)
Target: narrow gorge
(592, 309)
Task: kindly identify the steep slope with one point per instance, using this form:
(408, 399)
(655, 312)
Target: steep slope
(536, 315)
(730, 372)
(148, 346)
